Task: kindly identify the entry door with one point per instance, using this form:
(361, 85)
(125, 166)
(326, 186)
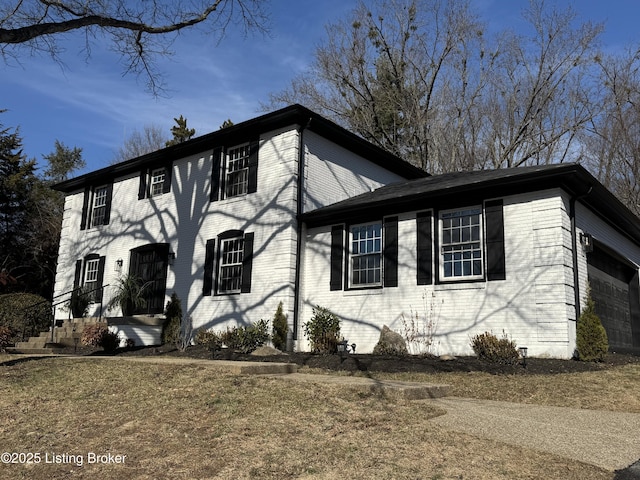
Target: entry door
(149, 263)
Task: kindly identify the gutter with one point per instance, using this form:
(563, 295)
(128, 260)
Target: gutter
(299, 209)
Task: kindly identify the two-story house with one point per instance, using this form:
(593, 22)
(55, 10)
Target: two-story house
(291, 207)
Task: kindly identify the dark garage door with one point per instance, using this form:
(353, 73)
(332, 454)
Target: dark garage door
(614, 289)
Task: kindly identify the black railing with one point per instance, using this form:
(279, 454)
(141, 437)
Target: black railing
(54, 305)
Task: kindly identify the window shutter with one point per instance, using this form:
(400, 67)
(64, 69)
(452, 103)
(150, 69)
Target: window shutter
(85, 209)
(98, 294)
(168, 173)
(215, 174)
(424, 252)
(207, 286)
(337, 249)
(107, 212)
(142, 189)
(252, 180)
(494, 223)
(76, 278)
(390, 251)
(247, 261)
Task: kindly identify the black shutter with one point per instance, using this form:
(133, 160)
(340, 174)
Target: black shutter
(98, 293)
(215, 174)
(142, 189)
(494, 222)
(207, 285)
(85, 209)
(252, 181)
(247, 261)
(76, 277)
(337, 247)
(390, 252)
(424, 252)
(107, 210)
(168, 173)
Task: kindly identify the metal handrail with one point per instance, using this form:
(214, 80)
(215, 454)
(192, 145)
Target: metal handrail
(54, 305)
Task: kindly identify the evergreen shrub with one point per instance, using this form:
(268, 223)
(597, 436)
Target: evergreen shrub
(26, 314)
(490, 348)
(323, 331)
(592, 343)
(280, 328)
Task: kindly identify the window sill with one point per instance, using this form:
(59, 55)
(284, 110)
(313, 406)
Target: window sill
(461, 285)
(361, 291)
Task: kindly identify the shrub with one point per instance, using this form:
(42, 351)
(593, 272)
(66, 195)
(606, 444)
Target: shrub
(25, 314)
(99, 335)
(172, 328)
(6, 338)
(130, 343)
(280, 328)
(209, 339)
(496, 350)
(323, 331)
(246, 339)
(592, 343)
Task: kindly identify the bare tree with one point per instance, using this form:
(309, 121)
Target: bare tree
(147, 140)
(612, 144)
(423, 79)
(138, 31)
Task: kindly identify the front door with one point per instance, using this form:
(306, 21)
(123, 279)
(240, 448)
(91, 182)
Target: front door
(149, 263)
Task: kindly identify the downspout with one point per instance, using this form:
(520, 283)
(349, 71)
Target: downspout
(299, 211)
(574, 250)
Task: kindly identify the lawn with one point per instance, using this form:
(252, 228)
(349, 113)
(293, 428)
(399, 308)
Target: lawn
(184, 422)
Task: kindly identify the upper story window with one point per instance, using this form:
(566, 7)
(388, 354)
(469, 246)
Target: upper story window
(366, 255)
(234, 171)
(99, 210)
(461, 244)
(96, 206)
(157, 182)
(237, 173)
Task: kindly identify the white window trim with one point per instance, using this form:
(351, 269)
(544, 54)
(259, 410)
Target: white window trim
(158, 173)
(441, 262)
(352, 256)
(102, 206)
(222, 265)
(245, 169)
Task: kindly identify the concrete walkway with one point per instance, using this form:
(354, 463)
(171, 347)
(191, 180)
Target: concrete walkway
(610, 440)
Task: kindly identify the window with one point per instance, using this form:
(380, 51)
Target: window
(96, 206)
(91, 277)
(231, 272)
(89, 274)
(230, 275)
(99, 210)
(366, 255)
(461, 244)
(237, 174)
(157, 182)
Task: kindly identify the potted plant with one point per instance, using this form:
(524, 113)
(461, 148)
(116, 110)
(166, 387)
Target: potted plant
(130, 294)
(79, 303)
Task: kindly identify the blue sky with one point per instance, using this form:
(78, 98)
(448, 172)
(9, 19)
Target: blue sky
(91, 105)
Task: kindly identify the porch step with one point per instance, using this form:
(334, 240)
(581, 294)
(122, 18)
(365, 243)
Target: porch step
(66, 335)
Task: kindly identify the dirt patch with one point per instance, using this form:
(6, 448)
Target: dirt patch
(393, 364)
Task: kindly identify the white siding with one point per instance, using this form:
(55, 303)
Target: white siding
(531, 307)
(185, 219)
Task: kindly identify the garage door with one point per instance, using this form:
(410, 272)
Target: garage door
(613, 286)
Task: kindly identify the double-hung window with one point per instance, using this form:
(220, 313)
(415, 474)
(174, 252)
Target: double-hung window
(237, 173)
(231, 257)
(366, 255)
(461, 244)
(99, 209)
(91, 269)
(156, 184)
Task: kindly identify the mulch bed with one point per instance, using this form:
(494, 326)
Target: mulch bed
(387, 363)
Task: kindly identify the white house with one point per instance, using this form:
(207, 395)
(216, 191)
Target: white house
(291, 207)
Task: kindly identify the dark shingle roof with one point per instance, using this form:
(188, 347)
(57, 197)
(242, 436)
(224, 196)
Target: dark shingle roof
(459, 188)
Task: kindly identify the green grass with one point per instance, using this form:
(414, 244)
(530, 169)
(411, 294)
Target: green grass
(177, 421)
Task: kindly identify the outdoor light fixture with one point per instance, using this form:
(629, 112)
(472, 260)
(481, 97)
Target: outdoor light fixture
(172, 257)
(523, 354)
(119, 263)
(587, 242)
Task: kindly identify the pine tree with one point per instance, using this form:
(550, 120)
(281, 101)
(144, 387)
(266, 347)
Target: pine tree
(180, 132)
